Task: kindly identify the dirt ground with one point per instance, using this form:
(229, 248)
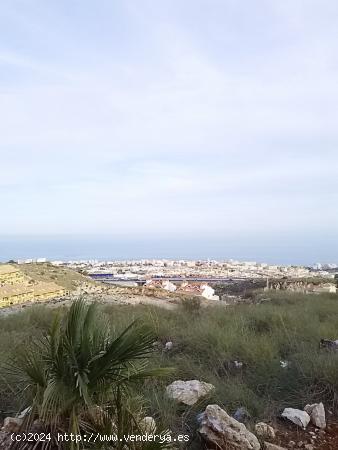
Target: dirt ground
(292, 437)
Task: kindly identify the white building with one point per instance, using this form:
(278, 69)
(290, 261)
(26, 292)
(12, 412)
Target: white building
(169, 286)
(208, 292)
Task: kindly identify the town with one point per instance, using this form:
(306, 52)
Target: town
(145, 269)
(32, 280)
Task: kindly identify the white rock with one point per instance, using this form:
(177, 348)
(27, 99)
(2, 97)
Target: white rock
(168, 346)
(12, 424)
(188, 392)
(264, 430)
(297, 416)
(223, 431)
(148, 425)
(317, 414)
(284, 364)
(238, 364)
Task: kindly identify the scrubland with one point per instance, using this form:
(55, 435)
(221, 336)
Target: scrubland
(276, 342)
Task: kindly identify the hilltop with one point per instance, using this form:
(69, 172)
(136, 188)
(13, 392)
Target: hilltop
(68, 278)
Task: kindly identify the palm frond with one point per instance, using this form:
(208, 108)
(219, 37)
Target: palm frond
(81, 365)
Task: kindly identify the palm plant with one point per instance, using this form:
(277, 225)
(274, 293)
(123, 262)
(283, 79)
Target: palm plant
(79, 378)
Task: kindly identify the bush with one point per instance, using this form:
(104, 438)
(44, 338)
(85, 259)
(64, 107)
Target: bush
(191, 304)
(78, 378)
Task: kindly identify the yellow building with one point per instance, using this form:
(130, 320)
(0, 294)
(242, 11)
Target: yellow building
(10, 275)
(14, 294)
(45, 291)
(16, 288)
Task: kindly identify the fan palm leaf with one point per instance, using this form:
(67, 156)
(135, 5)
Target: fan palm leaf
(80, 364)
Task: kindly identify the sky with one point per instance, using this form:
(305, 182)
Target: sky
(169, 128)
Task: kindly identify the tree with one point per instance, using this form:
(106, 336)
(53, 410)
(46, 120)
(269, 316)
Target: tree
(79, 377)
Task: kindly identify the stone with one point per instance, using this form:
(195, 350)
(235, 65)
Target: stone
(329, 344)
(242, 415)
(188, 392)
(148, 425)
(12, 424)
(223, 431)
(317, 414)
(309, 447)
(264, 431)
(238, 364)
(269, 446)
(168, 346)
(297, 416)
(284, 364)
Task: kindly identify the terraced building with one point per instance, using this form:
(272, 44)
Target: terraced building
(17, 288)
(10, 275)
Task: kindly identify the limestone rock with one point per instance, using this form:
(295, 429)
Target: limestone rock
(264, 430)
(188, 392)
(12, 424)
(223, 431)
(148, 425)
(168, 346)
(269, 446)
(297, 416)
(317, 414)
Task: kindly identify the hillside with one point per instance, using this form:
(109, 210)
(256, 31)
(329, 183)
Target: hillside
(67, 278)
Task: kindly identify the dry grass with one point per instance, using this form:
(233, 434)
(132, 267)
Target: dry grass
(64, 277)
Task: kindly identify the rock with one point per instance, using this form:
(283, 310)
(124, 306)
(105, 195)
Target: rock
(188, 392)
(242, 415)
(297, 416)
(12, 424)
(265, 431)
(329, 344)
(168, 346)
(309, 447)
(223, 431)
(148, 425)
(238, 364)
(284, 364)
(317, 414)
(269, 446)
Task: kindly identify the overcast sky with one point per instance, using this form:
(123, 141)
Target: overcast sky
(157, 118)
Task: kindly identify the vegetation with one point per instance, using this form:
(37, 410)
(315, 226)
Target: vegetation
(67, 278)
(78, 377)
(287, 328)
